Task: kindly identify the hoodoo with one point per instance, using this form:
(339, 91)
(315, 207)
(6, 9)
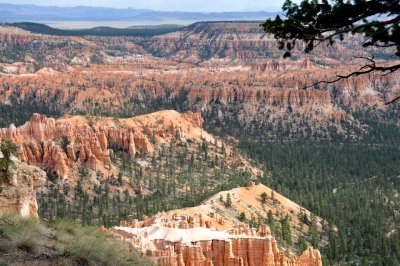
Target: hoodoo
(186, 240)
(63, 144)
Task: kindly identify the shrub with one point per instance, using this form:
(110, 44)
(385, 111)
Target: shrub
(8, 149)
(21, 233)
(87, 245)
(242, 217)
(71, 244)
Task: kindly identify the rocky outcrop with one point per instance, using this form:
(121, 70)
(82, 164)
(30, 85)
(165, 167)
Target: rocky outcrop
(15, 36)
(60, 146)
(180, 242)
(282, 65)
(18, 195)
(243, 41)
(194, 118)
(214, 213)
(272, 97)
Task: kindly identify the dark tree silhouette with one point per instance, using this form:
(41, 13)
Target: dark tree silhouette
(322, 21)
(7, 149)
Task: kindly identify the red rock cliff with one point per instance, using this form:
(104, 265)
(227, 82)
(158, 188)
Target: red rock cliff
(183, 242)
(61, 145)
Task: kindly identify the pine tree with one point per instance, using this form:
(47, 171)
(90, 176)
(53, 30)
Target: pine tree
(285, 230)
(301, 243)
(8, 149)
(228, 202)
(271, 221)
(263, 198)
(242, 217)
(120, 181)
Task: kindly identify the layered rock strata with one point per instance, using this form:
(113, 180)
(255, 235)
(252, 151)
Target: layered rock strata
(18, 195)
(188, 241)
(60, 146)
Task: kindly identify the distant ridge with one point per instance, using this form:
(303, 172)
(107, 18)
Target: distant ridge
(143, 31)
(34, 13)
(133, 31)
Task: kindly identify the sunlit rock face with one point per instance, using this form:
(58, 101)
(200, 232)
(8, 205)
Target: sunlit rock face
(211, 233)
(18, 195)
(61, 145)
(186, 240)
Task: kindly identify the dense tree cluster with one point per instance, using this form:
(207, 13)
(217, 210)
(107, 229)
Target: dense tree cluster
(353, 186)
(176, 176)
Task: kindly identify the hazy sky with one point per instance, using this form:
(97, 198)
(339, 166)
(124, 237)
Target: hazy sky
(167, 5)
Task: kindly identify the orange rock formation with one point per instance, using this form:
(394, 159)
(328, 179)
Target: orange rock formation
(61, 145)
(18, 195)
(211, 234)
(186, 240)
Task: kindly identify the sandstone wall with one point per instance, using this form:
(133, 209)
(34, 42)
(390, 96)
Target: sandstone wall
(60, 146)
(19, 194)
(172, 243)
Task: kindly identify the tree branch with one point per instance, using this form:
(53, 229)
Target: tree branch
(393, 101)
(363, 70)
(353, 29)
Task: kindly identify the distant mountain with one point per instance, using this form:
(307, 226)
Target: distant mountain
(141, 31)
(15, 13)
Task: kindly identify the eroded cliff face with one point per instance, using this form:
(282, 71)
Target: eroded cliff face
(236, 95)
(15, 36)
(246, 202)
(192, 240)
(204, 246)
(60, 146)
(18, 195)
(103, 87)
(244, 41)
(231, 72)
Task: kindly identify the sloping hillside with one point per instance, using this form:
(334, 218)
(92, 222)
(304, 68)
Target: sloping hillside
(218, 233)
(254, 205)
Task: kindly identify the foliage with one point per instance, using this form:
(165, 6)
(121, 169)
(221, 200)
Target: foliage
(316, 22)
(18, 114)
(180, 175)
(352, 185)
(242, 217)
(264, 198)
(64, 144)
(87, 245)
(62, 242)
(21, 233)
(285, 230)
(228, 202)
(8, 149)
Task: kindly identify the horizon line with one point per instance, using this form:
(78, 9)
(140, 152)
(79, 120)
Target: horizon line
(272, 9)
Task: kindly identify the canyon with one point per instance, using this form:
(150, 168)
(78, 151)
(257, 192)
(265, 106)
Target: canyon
(63, 147)
(92, 151)
(237, 79)
(151, 133)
